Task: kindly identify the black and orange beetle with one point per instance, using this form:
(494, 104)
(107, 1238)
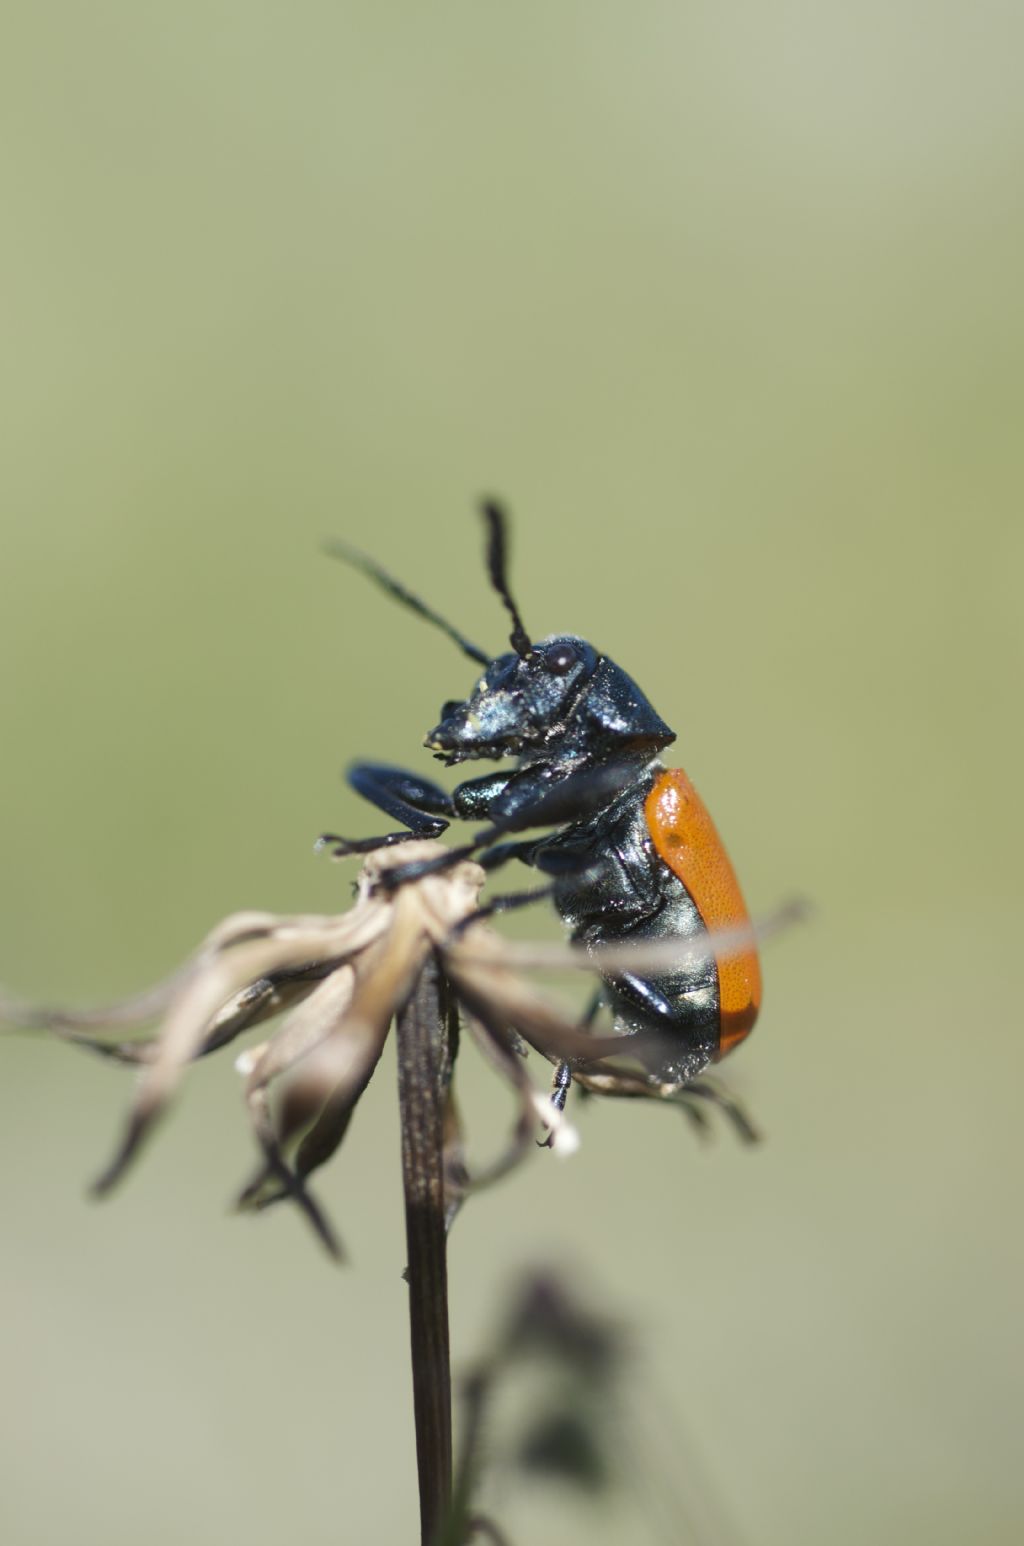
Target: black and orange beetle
(634, 855)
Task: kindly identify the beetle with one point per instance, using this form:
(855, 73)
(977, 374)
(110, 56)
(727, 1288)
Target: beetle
(631, 853)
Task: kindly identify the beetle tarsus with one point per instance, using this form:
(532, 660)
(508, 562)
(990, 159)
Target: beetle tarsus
(345, 847)
(559, 1095)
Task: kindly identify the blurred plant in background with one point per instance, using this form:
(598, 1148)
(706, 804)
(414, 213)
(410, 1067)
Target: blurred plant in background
(567, 1429)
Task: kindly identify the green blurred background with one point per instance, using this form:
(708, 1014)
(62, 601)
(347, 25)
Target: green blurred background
(725, 299)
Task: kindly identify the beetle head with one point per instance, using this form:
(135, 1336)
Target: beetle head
(557, 698)
(562, 698)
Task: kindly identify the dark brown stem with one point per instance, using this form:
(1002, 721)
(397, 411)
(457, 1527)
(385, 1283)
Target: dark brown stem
(424, 1070)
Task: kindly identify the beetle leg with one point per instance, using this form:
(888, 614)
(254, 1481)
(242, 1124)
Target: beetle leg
(473, 798)
(401, 794)
(501, 853)
(417, 802)
(343, 847)
(645, 997)
(716, 1094)
(559, 1095)
(534, 799)
(562, 1081)
(417, 868)
(529, 800)
(691, 1098)
(506, 903)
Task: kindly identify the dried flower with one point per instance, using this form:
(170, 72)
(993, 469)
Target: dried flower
(338, 980)
(422, 952)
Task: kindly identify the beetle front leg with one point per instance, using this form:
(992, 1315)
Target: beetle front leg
(472, 801)
(529, 798)
(406, 797)
(473, 798)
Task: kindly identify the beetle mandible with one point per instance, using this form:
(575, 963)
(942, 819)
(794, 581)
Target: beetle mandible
(631, 853)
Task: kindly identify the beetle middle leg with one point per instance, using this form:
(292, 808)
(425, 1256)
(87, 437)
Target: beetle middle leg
(506, 902)
(424, 807)
(535, 854)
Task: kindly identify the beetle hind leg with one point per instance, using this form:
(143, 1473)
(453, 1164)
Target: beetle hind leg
(692, 1098)
(559, 1095)
(562, 1082)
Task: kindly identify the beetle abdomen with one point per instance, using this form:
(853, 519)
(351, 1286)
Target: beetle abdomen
(685, 839)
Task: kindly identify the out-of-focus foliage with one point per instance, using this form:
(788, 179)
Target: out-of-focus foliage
(726, 302)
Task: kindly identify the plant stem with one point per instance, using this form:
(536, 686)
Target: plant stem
(424, 1070)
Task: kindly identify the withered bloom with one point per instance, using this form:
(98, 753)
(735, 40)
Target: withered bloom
(420, 951)
(338, 981)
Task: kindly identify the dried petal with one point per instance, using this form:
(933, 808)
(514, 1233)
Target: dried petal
(244, 954)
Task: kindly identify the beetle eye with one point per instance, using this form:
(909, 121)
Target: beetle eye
(561, 659)
(450, 708)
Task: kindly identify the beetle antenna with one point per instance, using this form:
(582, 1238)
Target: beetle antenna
(394, 588)
(497, 552)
